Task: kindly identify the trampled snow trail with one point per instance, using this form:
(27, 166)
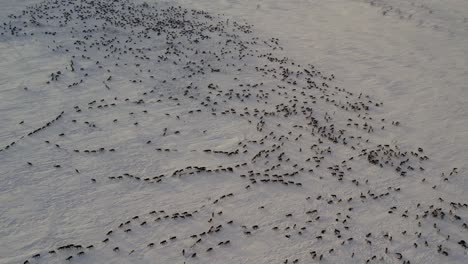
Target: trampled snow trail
(233, 132)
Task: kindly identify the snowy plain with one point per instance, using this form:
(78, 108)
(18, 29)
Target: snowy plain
(412, 56)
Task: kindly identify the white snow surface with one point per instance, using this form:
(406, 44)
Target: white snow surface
(407, 61)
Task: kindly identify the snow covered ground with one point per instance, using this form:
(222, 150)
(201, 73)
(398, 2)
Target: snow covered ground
(205, 124)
